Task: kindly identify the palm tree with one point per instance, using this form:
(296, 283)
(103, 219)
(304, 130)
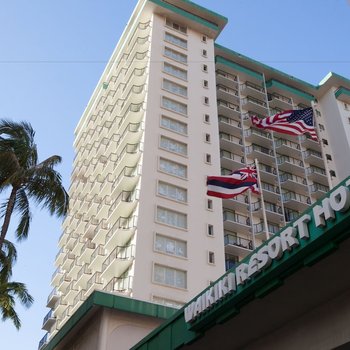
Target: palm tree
(27, 179)
(9, 291)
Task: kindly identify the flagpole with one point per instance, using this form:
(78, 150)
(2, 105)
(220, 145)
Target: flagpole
(262, 199)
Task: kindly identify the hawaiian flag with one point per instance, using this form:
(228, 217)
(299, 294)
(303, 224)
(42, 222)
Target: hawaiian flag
(232, 185)
(292, 122)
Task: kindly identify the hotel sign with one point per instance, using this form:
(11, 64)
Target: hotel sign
(302, 242)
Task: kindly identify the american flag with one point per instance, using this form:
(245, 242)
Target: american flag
(293, 122)
(234, 184)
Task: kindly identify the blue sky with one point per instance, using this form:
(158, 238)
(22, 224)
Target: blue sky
(52, 54)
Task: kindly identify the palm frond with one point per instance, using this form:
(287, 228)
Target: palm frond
(23, 209)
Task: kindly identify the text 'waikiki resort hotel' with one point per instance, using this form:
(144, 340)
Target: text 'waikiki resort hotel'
(209, 200)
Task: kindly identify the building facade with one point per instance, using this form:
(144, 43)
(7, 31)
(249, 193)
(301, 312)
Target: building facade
(172, 107)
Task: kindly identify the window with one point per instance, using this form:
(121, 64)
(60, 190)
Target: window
(174, 106)
(171, 217)
(204, 38)
(346, 106)
(318, 113)
(332, 173)
(321, 127)
(175, 55)
(206, 118)
(170, 276)
(211, 258)
(170, 246)
(174, 88)
(324, 141)
(328, 157)
(208, 158)
(176, 40)
(207, 137)
(210, 230)
(176, 26)
(172, 192)
(204, 53)
(205, 83)
(175, 71)
(206, 100)
(173, 168)
(209, 204)
(205, 68)
(173, 125)
(173, 146)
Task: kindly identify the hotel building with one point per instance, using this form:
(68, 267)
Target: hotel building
(172, 107)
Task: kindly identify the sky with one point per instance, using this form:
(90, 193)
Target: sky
(52, 54)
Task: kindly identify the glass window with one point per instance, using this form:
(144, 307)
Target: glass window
(176, 40)
(172, 191)
(174, 88)
(170, 276)
(173, 146)
(174, 106)
(173, 168)
(170, 245)
(173, 125)
(171, 217)
(210, 230)
(175, 71)
(175, 55)
(211, 257)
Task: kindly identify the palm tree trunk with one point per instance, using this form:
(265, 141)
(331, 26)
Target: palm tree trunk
(8, 213)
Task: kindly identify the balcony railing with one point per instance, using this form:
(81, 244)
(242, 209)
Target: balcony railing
(288, 196)
(318, 187)
(252, 86)
(288, 176)
(43, 341)
(238, 241)
(226, 75)
(119, 284)
(315, 170)
(120, 253)
(260, 227)
(238, 218)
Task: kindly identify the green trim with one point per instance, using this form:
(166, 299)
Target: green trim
(278, 84)
(236, 66)
(201, 8)
(102, 299)
(175, 332)
(342, 91)
(264, 66)
(186, 14)
(335, 75)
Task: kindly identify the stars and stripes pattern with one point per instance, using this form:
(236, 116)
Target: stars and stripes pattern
(232, 185)
(292, 122)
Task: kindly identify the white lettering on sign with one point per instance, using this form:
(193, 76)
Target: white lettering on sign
(287, 240)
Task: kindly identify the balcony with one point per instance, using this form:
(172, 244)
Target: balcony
(53, 298)
(260, 231)
(317, 175)
(290, 214)
(279, 101)
(318, 191)
(238, 246)
(94, 283)
(60, 256)
(124, 204)
(236, 222)
(267, 173)
(255, 105)
(226, 79)
(71, 292)
(254, 90)
(259, 137)
(97, 258)
(100, 232)
(49, 321)
(263, 154)
(84, 274)
(118, 261)
(228, 141)
(86, 251)
(230, 125)
(230, 160)
(126, 179)
(227, 108)
(273, 211)
(308, 143)
(291, 165)
(271, 192)
(314, 158)
(228, 94)
(296, 201)
(231, 261)
(119, 284)
(239, 203)
(43, 342)
(288, 148)
(292, 182)
(122, 230)
(130, 155)
(56, 276)
(69, 259)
